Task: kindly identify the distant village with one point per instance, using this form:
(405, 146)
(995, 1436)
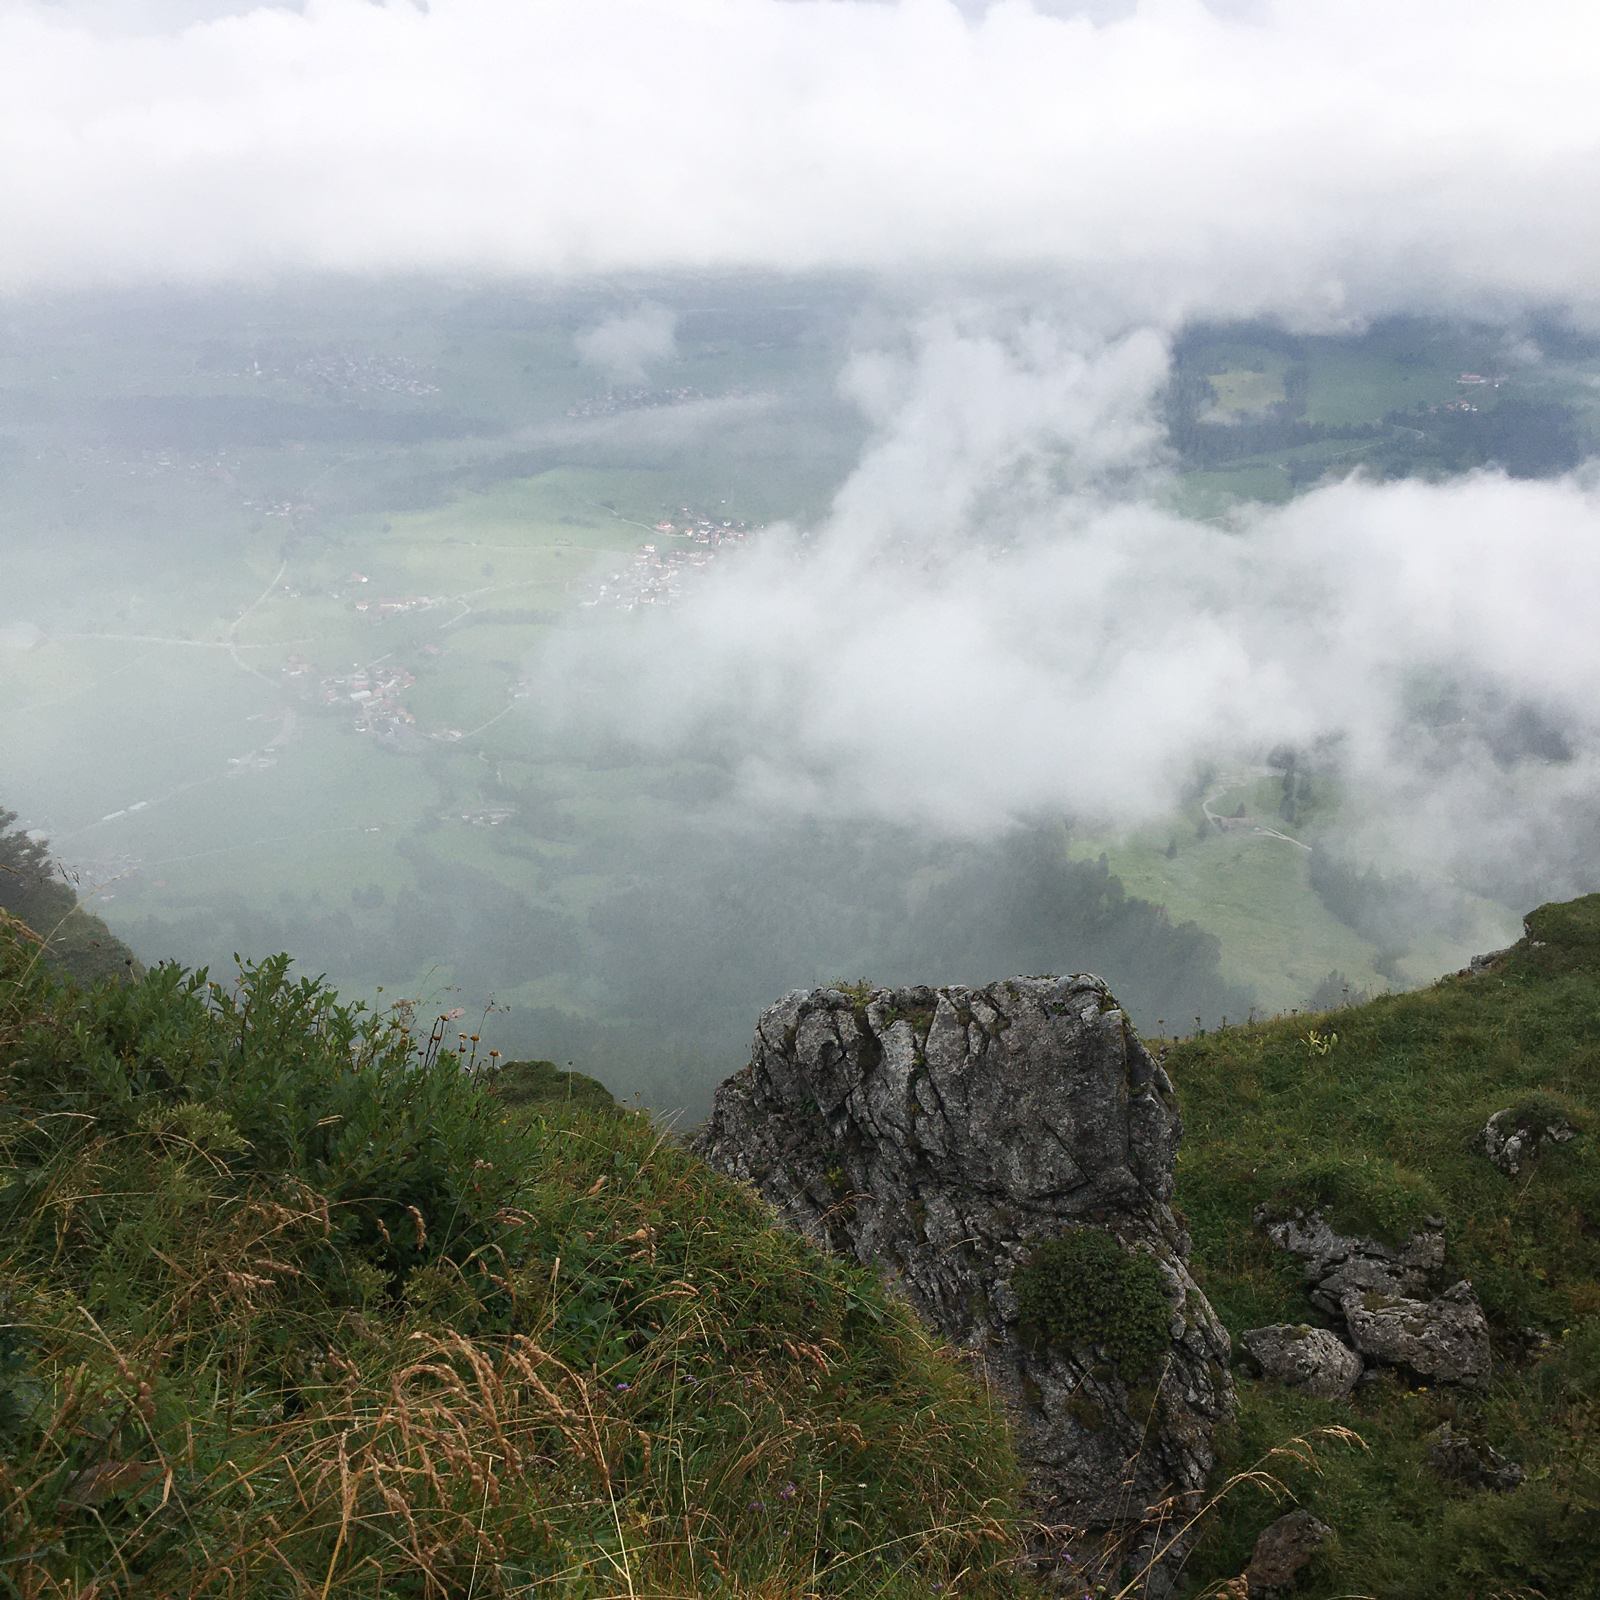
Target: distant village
(655, 575)
(380, 606)
(372, 696)
(615, 401)
(342, 367)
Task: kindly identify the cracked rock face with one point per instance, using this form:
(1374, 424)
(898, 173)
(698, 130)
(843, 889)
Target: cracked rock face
(1309, 1358)
(1445, 1339)
(1338, 1265)
(941, 1135)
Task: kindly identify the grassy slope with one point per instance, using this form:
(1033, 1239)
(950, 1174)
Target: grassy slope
(1380, 1128)
(293, 1305)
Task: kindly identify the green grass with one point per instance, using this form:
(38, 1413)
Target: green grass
(1379, 1130)
(1210, 495)
(1354, 383)
(296, 1304)
(1278, 939)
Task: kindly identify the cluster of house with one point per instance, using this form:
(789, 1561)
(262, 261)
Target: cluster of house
(388, 605)
(279, 508)
(344, 368)
(373, 693)
(400, 605)
(150, 462)
(618, 400)
(484, 817)
(655, 575)
(1452, 405)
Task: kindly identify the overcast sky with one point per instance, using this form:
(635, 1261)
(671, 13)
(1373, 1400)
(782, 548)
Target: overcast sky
(1315, 159)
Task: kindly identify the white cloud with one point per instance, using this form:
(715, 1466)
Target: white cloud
(1314, 159)
(627, 346)
(999, 618)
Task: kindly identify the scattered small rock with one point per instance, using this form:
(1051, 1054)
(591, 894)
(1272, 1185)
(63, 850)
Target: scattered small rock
(1445, 1339)
(1310, 1358)
(1509, 1140)
(1282, 1550)
(1337, 1264)
(1472, 1462)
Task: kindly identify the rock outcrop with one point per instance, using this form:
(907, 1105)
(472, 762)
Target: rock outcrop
(945, 1135)
(1445, 1339)
(1308, 1358)
(1382, 1292)
(1509, 1139)
(1338, 1264)
(1472, 1463)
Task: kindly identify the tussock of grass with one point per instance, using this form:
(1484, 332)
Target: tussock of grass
(1381, 1131)
(290, 1303)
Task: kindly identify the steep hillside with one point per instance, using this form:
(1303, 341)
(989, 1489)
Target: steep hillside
(1372, 1115)
(295, 1304)
(31, 890)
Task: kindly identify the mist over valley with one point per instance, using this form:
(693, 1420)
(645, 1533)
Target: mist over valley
(603, 662)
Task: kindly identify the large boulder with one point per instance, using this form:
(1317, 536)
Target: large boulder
(1445, 1339)
(947, 1137)
(1282, 1550)
(1308, 1358)
(1338, 1264)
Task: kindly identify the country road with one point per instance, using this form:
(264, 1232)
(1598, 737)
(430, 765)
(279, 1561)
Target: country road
(1237, 780)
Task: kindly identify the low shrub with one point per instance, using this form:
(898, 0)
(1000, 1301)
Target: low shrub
(1086, 1291)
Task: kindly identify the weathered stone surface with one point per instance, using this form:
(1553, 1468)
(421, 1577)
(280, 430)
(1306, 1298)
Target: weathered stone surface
(1445, 1339)
(1283, 1549)
(943, 1134)
(1337, 1264)
(1510, 1141)
(1310, 1358)
(1472, 1462)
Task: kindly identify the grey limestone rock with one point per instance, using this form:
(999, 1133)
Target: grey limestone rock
(1283, 1549)
(1337, 1264)
(942, 1135)
(1445, 1339)
(1471, 1462)
(1509, 1140)
(1312, 1359)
